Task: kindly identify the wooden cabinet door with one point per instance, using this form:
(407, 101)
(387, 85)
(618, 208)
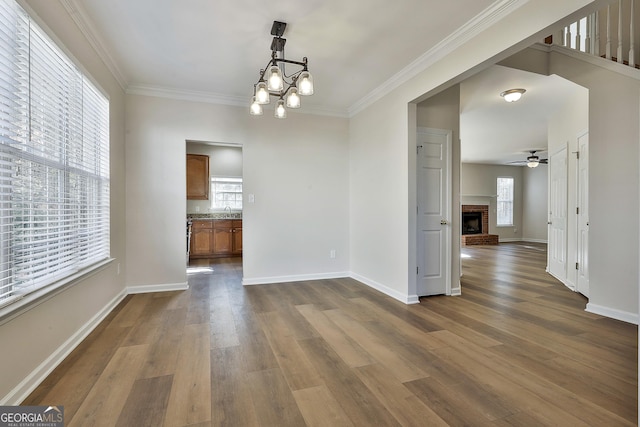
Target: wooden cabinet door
(201, 241)
(237, 240)
(222, 241)
(197, 177)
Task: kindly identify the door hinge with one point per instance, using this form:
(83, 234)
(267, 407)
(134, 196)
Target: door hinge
(417, 269)
(578, 211)
(577, 266)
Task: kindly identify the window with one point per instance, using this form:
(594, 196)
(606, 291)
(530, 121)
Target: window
(226, 192)
(505, 201)
(54, 162)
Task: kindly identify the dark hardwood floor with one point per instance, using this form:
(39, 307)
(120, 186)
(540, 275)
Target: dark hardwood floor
(517, 348)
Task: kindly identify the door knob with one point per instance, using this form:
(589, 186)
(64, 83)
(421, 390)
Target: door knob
(443, 222)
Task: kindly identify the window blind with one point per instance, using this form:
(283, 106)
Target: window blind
(54, 161)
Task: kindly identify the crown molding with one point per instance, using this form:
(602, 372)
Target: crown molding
(85, 24)
(471, 29)
(220, 99)
(186, 95)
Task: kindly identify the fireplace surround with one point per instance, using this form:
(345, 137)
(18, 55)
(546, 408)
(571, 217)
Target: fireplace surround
(475, 226)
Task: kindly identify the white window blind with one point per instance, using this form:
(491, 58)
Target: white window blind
(54, 161)
(505, 201)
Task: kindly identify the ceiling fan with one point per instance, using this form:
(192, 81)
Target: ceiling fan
(532, 160)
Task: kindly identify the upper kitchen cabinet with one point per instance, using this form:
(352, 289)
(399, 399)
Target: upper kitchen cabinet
(197, 177)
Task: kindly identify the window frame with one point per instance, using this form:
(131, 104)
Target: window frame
(76, 167)
(214, 181)
(510, 201)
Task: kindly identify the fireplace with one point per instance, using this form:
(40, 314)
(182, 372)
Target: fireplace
(475, 226)
(471, 222)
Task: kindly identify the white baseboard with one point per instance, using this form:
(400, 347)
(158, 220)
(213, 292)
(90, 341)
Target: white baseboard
(167, 287)
(407, 299)
(457, 290)
(293, 278)
(520, 239)
(612, 313)
(526, 239)
(35, 378)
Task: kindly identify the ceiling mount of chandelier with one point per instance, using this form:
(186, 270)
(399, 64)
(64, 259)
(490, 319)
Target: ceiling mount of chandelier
(274, 81)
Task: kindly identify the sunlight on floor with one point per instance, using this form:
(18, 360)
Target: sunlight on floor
(195, 270)
(465, 256)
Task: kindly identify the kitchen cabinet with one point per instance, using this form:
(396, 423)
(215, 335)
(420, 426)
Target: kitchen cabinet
(201, 239)
(216, 238)
(227, 237)
(197, 177)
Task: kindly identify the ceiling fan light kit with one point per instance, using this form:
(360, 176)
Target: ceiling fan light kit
(512, 95)
(274, 81)
(532, 160)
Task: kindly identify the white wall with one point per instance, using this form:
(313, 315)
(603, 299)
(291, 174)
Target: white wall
(224, 161)
(35, 341)
(614, 185)
(535, 183)
(479, 187)
(382, 153)
(297, 169)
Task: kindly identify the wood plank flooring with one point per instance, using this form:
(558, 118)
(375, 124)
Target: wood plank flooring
(517, 348)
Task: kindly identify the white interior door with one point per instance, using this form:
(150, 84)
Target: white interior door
(434, 212)
(557, 246)
(583, 215)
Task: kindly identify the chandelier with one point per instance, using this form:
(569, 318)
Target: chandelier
(275, 82)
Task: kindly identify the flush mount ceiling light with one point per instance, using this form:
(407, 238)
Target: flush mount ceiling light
(274, 81)
(512, 95)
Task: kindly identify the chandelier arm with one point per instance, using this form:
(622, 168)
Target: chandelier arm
(289, 61)
(265, 69)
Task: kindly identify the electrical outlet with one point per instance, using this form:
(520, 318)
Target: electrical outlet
(332, 253)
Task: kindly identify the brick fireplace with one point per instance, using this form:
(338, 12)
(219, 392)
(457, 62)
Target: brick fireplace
(475, 226)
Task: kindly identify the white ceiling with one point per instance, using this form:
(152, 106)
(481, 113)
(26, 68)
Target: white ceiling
(493, 131)
(217, 48)
(213, 50)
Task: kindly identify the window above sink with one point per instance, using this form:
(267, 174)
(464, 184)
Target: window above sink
(226, 194)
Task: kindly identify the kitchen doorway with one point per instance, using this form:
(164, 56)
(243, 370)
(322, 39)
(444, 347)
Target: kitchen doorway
(214, 203)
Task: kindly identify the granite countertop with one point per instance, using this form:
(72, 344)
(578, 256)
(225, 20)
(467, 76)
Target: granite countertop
(215, 215)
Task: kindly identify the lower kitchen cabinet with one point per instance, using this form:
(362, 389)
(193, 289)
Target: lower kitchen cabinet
(201, 239)
(216, 238)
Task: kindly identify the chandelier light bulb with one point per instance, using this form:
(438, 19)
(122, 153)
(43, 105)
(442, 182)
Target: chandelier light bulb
(280, 112)
(275, 79)
(305, 83)
(262, 94)
(256, 108)
(293, 100)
